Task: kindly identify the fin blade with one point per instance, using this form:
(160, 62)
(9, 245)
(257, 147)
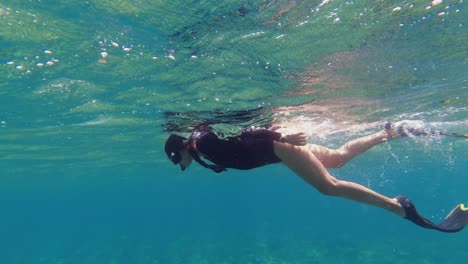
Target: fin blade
(457, 219)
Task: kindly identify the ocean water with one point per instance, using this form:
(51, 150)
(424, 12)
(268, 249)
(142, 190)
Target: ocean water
(89, 91)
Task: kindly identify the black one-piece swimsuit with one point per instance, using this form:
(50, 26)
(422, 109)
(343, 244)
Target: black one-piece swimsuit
(251, 149)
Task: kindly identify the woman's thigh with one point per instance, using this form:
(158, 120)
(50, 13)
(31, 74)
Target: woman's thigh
(330, 158)
(304, 163)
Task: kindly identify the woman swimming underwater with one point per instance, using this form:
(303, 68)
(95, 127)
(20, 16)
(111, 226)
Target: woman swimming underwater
(256, 147)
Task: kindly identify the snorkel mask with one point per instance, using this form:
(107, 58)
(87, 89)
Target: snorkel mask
(174, 145)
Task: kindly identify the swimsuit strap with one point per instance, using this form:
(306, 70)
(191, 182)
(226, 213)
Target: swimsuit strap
(215, 168)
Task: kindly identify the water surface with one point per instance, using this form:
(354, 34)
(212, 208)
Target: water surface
(85, 92)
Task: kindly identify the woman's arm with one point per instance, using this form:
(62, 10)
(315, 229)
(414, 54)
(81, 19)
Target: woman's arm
(298, 139)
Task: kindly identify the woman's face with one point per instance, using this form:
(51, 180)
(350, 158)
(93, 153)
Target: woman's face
(186, 159)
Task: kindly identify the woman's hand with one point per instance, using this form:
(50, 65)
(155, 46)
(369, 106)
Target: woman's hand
(298, 139)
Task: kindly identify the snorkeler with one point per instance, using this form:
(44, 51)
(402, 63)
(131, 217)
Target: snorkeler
(256, 147)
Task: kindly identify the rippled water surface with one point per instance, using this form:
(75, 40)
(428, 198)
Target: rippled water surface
(90, 89)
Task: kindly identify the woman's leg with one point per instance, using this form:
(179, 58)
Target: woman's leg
(335, 158)
(304, 163)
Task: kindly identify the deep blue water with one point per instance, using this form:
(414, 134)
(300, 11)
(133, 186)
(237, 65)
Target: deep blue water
(85, 91)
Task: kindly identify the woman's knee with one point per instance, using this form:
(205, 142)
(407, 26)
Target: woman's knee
(330, 188)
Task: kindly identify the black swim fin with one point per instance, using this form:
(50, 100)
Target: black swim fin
(454, 135)
(404, 131)
(455, 221)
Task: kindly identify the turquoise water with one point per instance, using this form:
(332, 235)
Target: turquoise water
(85, 91)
